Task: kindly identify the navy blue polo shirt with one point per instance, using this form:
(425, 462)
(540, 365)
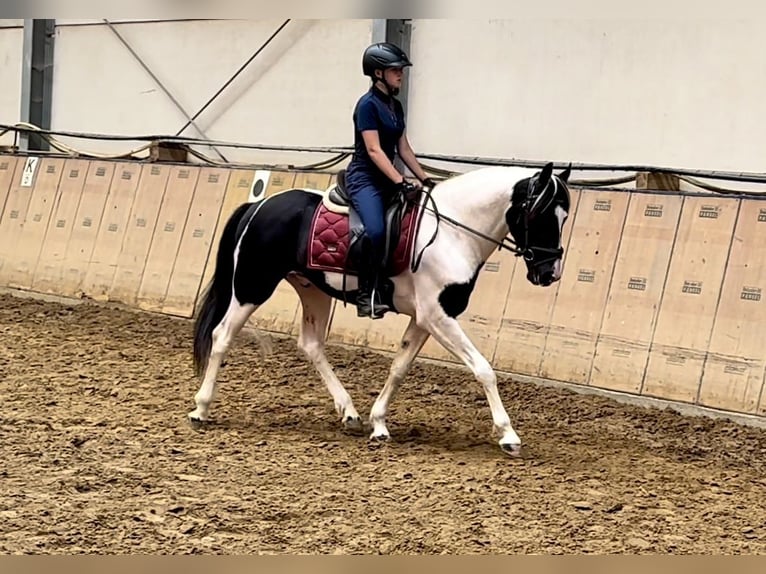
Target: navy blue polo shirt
(376, 110)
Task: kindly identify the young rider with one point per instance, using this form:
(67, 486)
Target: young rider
(371, 177)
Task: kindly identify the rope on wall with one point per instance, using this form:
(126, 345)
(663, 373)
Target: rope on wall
(339, 154)
(24, 127)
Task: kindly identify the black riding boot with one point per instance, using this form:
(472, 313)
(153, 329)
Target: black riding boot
(369, 302)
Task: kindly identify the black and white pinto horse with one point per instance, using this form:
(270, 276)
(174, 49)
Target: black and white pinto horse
(464, 218)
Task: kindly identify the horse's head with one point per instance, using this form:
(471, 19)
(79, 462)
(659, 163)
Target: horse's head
(539, 207)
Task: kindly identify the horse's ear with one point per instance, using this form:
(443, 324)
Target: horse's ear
(545, 175)
(564, 175)
(543, 191)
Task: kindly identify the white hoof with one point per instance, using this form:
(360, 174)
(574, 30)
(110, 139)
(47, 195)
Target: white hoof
(197, 418)
(380, 436)
(198, 414)
(510, 443)
(511, 449)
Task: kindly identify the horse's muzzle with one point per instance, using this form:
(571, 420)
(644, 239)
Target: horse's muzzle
(542, 278)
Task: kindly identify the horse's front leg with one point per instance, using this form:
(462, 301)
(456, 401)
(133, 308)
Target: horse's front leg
(451, 336)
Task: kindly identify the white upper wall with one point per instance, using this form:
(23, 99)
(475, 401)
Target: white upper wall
(669, 93)
(299, 91)
(11, 50)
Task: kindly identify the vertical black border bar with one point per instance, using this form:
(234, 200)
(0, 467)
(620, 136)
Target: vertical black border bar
(37, 78)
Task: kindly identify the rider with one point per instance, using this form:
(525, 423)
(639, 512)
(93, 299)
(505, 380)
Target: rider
(371, 177)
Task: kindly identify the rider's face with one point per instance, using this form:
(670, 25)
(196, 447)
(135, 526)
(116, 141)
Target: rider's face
(393, 77)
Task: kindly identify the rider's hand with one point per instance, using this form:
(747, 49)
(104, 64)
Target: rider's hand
(408, 189)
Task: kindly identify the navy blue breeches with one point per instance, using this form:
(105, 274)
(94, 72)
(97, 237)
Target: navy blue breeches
(368, 201)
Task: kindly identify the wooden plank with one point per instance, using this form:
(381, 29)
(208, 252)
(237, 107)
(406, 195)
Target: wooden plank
(50, 266)
(313, 180)
(138, 234)
(280, 313)
(280, 181)
(111, 232)
(167, 239)
(527, 311)
(301, 179)
(382, 334)
(481, 319)
(634, 298)
(8, 165)
(87, 222)
(196, 240)
(690, 299)
(736, 359)
(15, 212)
(579, 307)
(20, 267)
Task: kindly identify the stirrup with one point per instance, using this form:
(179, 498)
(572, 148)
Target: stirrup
(366, 306)
(377, 310)
(367, 310)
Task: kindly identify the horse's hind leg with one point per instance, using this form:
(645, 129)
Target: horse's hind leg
(412, 341)
(222, 337)
(313, 331)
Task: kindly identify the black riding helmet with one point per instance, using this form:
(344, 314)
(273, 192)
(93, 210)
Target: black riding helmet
(382, 55)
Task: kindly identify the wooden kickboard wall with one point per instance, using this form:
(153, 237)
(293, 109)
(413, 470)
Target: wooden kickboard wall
(662, 294)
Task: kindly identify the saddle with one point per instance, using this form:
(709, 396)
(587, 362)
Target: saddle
(334, 241)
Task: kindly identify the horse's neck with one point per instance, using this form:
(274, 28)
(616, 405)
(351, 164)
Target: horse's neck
(479, 200)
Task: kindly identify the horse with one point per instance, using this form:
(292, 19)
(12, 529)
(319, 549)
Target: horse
(451, 230)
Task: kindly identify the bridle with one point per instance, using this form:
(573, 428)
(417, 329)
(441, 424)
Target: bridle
(530, 209)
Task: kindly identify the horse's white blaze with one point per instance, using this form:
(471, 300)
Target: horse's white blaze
(561, 215)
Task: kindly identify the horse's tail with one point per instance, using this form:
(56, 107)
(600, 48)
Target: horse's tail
(217, 295)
